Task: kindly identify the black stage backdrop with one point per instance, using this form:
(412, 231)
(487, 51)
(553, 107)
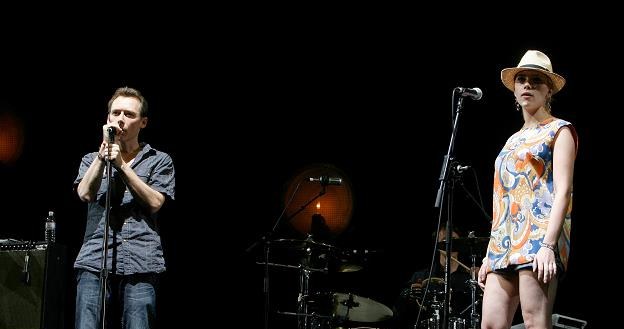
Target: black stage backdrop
(243, 106)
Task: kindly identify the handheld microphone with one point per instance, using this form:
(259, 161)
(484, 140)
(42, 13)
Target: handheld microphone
(326, 180)
(111, 134)
(474, 93)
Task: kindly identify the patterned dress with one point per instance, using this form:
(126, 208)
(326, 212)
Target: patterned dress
(523, 197)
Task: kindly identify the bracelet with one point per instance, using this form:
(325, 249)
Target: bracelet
(99, 156)
(546, 245)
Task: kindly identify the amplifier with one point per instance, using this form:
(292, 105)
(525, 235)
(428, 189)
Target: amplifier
(32, 285)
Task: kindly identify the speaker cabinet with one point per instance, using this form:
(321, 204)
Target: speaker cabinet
(32, 286)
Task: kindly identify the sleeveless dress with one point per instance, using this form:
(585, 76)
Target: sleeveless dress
(523, 197)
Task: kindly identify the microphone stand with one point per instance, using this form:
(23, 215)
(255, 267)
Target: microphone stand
(104, 268)
(266, 239)
(448, 157)
(444, 176)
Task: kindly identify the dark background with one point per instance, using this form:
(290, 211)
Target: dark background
(243, 104)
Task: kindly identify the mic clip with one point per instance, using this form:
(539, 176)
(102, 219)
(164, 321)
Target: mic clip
(460, 169)
(457, 169)
(326, 180)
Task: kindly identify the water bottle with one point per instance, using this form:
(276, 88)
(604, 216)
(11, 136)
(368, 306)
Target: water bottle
(50, 228)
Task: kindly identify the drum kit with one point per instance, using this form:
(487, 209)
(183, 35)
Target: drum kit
(433, 299)
(321, 309)
(338, 309)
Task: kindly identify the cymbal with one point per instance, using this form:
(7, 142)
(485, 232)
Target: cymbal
(359, 309)
(465, 244)
(346, 268)
(303, 244)
(350, 260)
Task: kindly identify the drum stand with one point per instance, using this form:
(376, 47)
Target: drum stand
(475, 318)
(436, 313)
(305, 320)
(304, 292)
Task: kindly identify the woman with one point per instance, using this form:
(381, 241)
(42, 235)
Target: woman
(530, 233)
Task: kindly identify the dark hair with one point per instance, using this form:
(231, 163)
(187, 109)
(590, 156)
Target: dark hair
(129, 92)
(456, 229)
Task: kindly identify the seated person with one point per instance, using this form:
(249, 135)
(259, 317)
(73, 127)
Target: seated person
(411, 298)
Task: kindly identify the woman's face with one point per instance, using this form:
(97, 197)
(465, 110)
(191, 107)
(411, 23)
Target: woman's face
(532, 89)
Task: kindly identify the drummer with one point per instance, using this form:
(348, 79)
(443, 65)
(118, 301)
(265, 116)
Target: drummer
(411, 299)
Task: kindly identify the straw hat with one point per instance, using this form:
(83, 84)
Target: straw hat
(537, 61)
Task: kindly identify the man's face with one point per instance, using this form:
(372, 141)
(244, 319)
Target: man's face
(125, 113)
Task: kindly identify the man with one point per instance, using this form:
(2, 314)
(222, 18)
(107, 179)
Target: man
(411, 298)
(142, 179)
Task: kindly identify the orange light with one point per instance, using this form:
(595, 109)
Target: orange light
(11, 138)
(337, 200)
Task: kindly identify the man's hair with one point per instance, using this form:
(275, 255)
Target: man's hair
(456, 229)
(129, 92)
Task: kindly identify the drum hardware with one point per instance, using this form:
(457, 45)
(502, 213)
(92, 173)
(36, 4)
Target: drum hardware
(440, 289)
(296, 267)
(336, 308)
(432, 322)
(305, 319)
(330, 310)
(475, 318)
(304, 289)
(315, 320)
(468, 243)
(302, 302)
(354, 308)
(471, 243)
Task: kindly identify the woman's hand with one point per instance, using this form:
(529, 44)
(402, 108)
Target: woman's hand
(482, 274)
(545, 265)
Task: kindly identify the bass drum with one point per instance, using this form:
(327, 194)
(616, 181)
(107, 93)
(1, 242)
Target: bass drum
(337, 310)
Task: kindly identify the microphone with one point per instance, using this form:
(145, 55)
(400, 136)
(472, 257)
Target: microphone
(460, 169)
(111, 134)
(326, 180)
(474, 93)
